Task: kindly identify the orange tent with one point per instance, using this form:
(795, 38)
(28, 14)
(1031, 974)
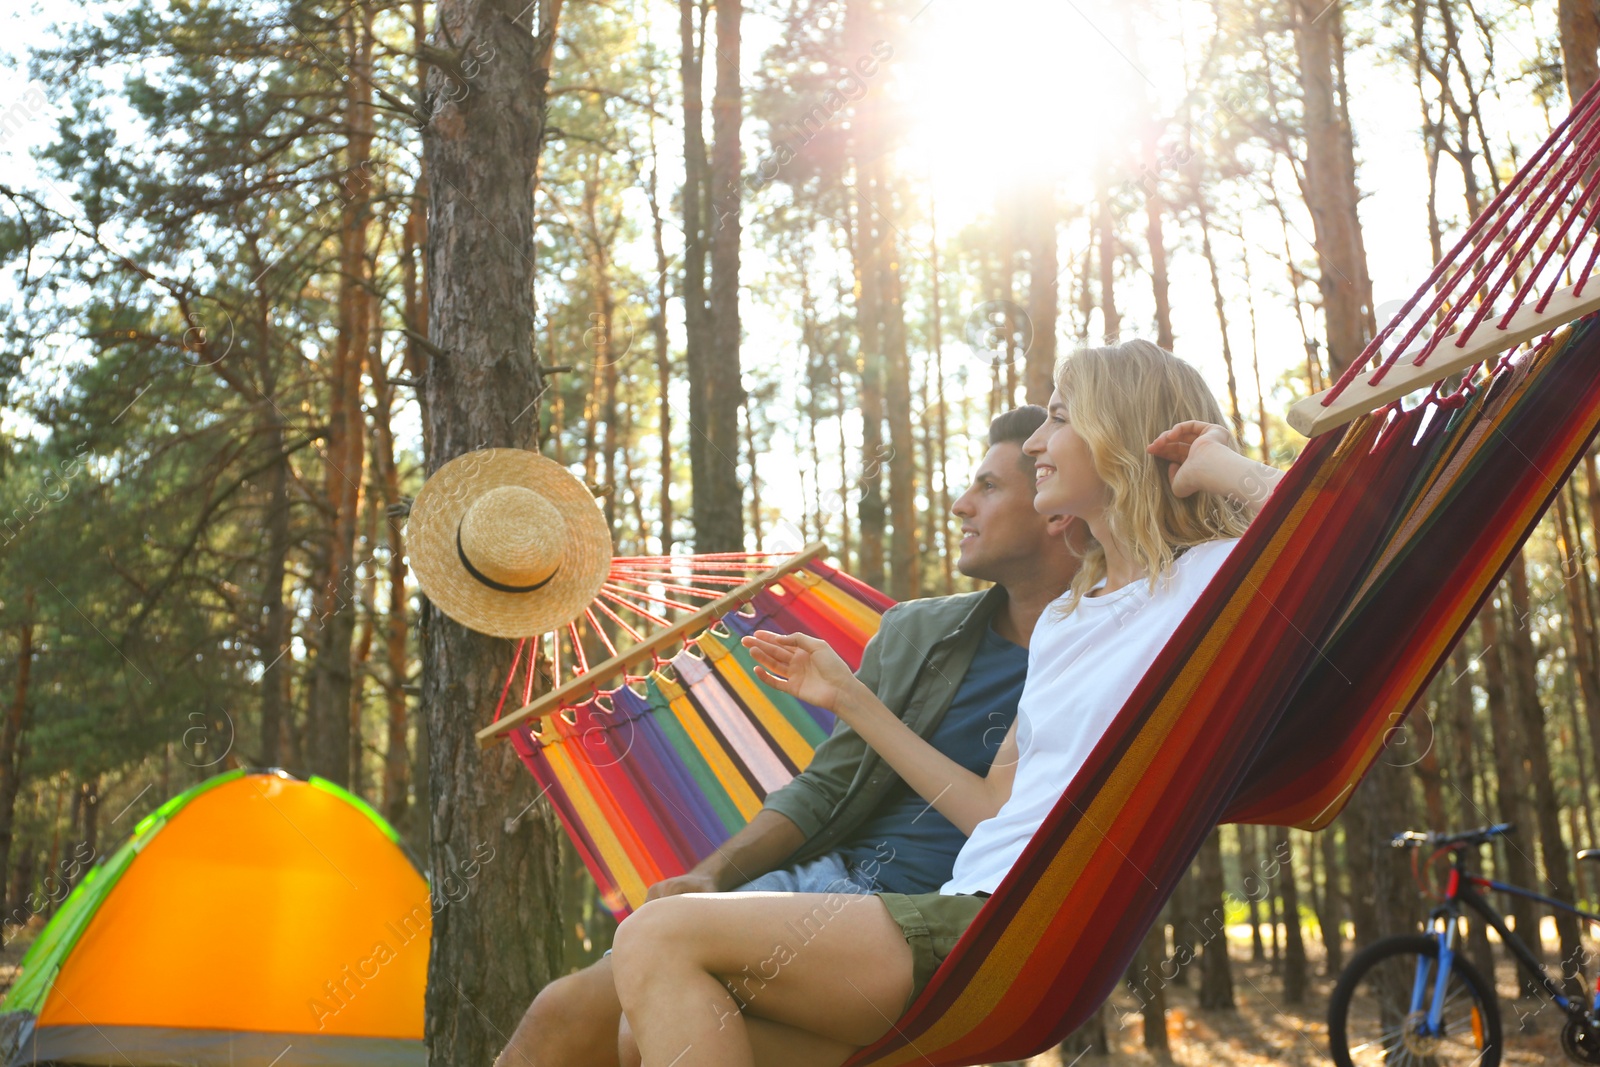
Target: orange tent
(255, 919)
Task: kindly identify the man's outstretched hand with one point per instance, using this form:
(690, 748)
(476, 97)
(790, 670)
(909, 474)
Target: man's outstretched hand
(802, 666)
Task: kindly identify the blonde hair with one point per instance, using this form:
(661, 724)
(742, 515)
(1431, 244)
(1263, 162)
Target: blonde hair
(1119, 398)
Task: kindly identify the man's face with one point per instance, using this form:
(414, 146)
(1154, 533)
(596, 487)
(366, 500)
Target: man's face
(999, 526)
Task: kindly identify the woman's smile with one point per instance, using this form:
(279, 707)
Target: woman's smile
(1041, 471)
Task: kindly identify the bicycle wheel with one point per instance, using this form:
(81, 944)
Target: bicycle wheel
(1370, 1021)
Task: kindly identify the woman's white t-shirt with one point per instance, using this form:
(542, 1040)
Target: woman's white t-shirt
(1081, 670)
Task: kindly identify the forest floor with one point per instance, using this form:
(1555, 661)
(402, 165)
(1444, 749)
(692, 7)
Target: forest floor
(1264, 1030)
(13, 945)
(1261, 1030)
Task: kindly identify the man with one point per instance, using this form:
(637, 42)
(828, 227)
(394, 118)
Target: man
(951, 667)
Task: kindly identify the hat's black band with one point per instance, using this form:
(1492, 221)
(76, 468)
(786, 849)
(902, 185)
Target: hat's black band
(490, 582)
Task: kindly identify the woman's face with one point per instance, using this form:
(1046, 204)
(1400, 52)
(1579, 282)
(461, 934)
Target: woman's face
(1066, 482)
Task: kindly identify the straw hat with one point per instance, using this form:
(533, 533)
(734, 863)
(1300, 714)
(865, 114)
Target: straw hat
(506, 542)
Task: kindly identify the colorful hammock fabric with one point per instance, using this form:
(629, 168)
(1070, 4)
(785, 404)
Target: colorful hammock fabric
(1325, 624)
(1322, 629)
(648, 778)
(1268, 705)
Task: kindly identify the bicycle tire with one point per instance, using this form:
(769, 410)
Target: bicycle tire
(1401, 954)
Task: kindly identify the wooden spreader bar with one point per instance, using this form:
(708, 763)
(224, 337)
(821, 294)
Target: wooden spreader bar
(600, 673)
(1311, 418)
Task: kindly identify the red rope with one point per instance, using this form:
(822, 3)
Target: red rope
(516, 661)
(615, 598)
(616, 594)
(614, 617)
(594, 625)
(1497, 244)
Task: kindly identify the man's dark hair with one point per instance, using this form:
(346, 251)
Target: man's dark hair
(1015, 427)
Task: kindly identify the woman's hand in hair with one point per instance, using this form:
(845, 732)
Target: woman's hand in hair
(1204, 459)
(1191, 448)
(802, 666)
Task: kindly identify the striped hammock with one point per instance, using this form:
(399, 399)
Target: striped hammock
(1268, 705)
(651, 776)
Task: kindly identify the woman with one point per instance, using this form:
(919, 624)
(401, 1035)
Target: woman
(1134, 447)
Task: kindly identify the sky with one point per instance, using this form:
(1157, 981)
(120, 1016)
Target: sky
(999, 89)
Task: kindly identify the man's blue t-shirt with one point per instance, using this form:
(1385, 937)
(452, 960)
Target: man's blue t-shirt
(908, 846)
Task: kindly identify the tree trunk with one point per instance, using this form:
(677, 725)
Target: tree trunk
(361, 647)
(1330, 917)
(904, 557)
(493, 948)
(1329, 183)
(394, 797)
(1038, 379)
(330, 754)
(1112, 321)
(658, 333)
(1536, 756)
(11, 741)
(1221, 307)
(1155, 209)
(1250, 867)
(692, 17)
(274, 642)
(1579, 21)
(718, 510)
(866, 148)
(1153, 990)
(1294, 946)
(1508, 745)
(1216, 970)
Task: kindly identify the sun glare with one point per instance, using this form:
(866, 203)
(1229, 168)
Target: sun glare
(1000, 93)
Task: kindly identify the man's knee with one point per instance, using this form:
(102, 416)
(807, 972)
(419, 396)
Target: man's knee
(573, 1020)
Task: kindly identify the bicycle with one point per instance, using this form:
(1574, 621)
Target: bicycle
(1413, 999)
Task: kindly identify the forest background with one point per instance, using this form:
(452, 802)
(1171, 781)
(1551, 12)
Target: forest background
(785, 260)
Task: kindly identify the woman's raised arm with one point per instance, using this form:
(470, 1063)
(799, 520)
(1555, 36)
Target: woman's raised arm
(1204, 460)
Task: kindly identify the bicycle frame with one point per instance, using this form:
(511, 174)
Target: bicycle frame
(1463, 889)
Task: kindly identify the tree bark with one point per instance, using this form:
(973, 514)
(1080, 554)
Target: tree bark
(904, 557)
(394, 796)
(1508, 745)
(494, 947)
(11, 741)
(1216, 970)
(1330, 920)
(1249, 865)
(1111, 320)
(692, 18)
(1204, 215)
(1294, 946)
(330, 754)
(1536, 755)
(658, 333)
(1038, 379)
(866, 149)
(1155, 209)
(1329, 183)
(1149, 986)
(1579, 22)
(718, 510)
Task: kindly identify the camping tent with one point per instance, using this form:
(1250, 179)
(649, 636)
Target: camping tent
(254, 918)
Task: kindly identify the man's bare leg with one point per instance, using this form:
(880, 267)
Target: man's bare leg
(774, 1045)
(836, 966)
(571, 1023)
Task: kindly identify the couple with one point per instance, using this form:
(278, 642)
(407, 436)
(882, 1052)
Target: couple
(1132, 445)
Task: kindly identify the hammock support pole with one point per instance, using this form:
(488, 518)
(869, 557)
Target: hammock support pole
(1457, 352)
(556, 699)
